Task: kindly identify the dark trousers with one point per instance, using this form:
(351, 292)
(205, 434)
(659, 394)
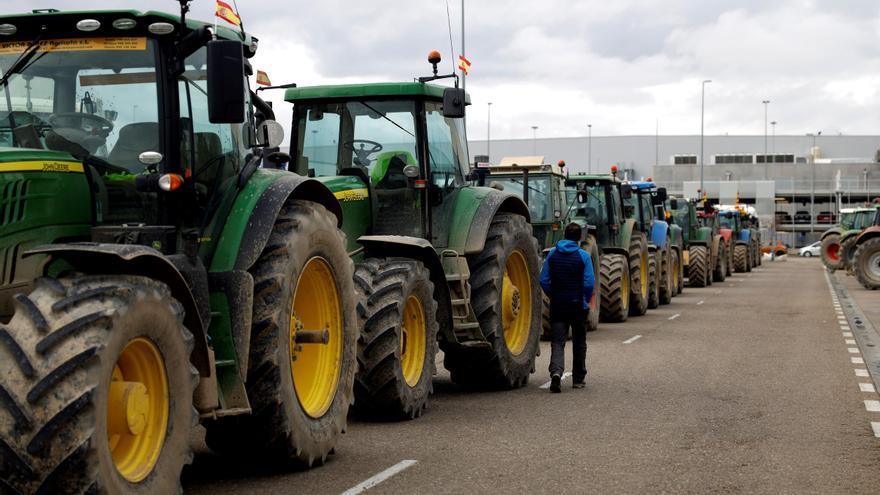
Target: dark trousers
(560, 322)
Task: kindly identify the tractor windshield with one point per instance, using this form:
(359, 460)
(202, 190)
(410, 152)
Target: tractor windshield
(540, 202)
(96, 95)
(366, 135)
(728, 221)
(595, 210)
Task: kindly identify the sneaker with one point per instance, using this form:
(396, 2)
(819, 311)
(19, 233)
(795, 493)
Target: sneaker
(555, 382)
(580, 384)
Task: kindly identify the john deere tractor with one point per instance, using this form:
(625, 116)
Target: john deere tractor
(622, 248)
(439, 262)
(155, 276)
(852, 221)
(640, 207)
(706, 258)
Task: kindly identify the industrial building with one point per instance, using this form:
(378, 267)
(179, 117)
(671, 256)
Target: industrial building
(797, 187)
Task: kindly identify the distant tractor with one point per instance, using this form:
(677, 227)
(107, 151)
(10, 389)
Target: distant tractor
(743, 253)
(706, 250)
(623, 249)
(852, 221)
(155, 276)
(866, 257)
(640, 207)
(439, 262)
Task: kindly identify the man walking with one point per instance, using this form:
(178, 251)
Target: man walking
(567, 279)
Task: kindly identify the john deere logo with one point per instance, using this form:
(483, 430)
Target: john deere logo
(56, 167)
(351, 195)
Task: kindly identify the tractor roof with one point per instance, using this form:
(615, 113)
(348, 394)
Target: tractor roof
(642, 185)
(368, 90)
(592, 177)
(32, 21)
(516, 165)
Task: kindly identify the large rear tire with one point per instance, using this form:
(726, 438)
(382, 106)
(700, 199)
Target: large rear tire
(720, 269)
(667, 277)
(505, 295)
(654, 284)
(299, 392)
(831, 254)
(866, 262)
(398, 342)
(615, 288)
(698, 266)
(741, 258)
(97, 388)
(639, 275)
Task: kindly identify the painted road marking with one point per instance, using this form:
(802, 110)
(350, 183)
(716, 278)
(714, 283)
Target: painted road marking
(850, 342)
(845, 327)
(847, 334)
(872, 405)
(375, 480)
(632, 339)
(564, 376)
(856, 360)
(853, 350)
(876, 427)
(861, 372)
(701, 302)
(676, 315)
(867, 387)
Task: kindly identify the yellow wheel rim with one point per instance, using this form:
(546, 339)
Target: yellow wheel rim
(316, 337)
(643, 271)
(412, 341)
(624, 291)
(137, 409)
(516, 303)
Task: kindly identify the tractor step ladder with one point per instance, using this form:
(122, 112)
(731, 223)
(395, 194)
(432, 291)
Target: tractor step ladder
(464, 321)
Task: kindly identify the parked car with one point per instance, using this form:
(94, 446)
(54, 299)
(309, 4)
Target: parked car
(782, 218)
(777, 247)
(814, 249)
(826, 217)
(802, 216)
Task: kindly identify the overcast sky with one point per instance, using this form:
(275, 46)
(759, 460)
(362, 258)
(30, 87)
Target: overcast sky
(560, 64)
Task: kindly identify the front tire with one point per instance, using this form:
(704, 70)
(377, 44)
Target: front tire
(698, 266)
(667, 277)
(831, 253)
(654, 284)
(398, 342)
(505, 296)
(867, 263)
(718, 273)
(615, 287)
(299, 392)
(97, 388)
(741, 258)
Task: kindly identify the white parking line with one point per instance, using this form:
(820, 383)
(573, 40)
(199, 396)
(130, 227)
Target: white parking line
(867, 387)
(853, 350)
(676, 315)
(847, 334)
(701, 302)
(845, 327)
(375, 480)
(872, 405)
(564, 376)
(876, 427)
(856, 360)
(632, 339)
(850, 342)
(861, 372)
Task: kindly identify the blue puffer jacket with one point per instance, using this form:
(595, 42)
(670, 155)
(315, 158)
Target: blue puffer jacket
(567, 276)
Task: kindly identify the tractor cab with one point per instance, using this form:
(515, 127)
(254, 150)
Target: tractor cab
(597, 205)
(542, 188)
(645, 206)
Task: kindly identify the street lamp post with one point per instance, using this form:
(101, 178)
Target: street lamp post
(773, 142)
(766, 158)
(589, 148)
(535, 140)
(489, 132)
(702, 121)
(813, 178)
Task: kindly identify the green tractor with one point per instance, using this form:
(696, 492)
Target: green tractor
(155, 276)
(852, 221)
(622, 249)
(706, 249)
(439, 262)
(640, 207)
(862, 252)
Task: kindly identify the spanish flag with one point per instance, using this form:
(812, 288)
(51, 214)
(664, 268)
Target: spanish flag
(263, 78)
(464, 65)
(227, 13)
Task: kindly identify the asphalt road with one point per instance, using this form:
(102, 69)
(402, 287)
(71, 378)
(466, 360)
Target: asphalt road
(752, 388)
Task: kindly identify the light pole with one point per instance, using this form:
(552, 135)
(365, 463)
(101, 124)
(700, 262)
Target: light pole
(773, 143)
(813, 178)
(766, 158)
(702, 121)
(489, 132)
(589, 148)
(535, 140)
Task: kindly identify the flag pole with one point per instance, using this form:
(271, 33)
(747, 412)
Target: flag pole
(463, 74)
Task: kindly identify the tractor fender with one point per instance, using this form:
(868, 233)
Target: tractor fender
(744, 236)
(849, 234)
(491, 204)
(716, 246)
(660, 234)
(726, 233)
(675, 235)
(625, 236)
(383, 246)
(262, 218)
(869, 233)
(128, 259)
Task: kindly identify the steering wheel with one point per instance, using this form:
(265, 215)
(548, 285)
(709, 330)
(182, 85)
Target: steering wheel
(78, 120)
(362, 154)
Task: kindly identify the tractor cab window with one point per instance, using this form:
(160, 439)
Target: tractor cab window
(595, 210)
(447, 151)
(213, 153)
(96, 96)
(647, 207)
(728, 221)
(540, 202)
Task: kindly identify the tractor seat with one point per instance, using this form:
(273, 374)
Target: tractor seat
(387, 173)
(133, 140)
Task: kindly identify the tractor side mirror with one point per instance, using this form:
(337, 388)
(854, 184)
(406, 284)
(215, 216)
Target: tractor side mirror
(661, 195)
(673, 204)
(270, 134)
(453, 103)
(226, 84)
